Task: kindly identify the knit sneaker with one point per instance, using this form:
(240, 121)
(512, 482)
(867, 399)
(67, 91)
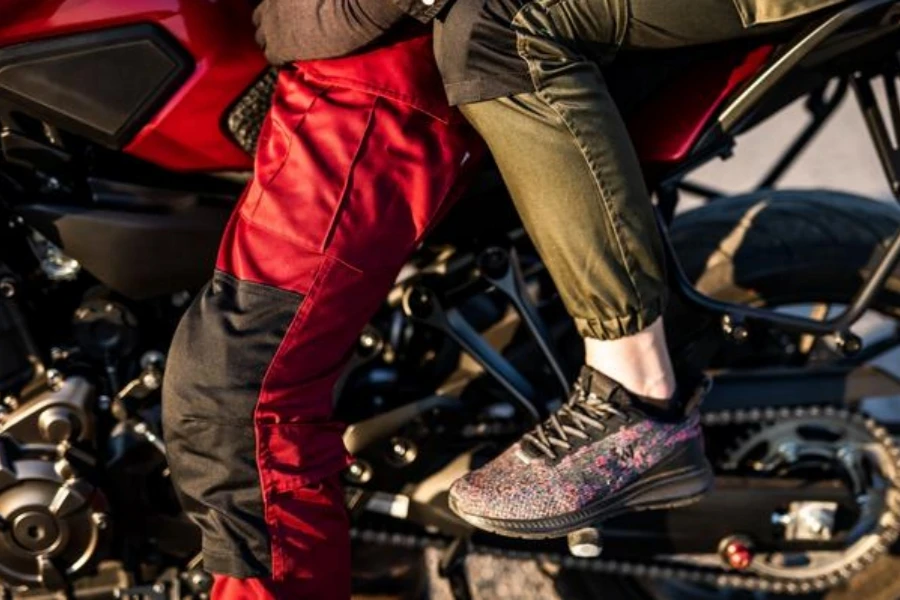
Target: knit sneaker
(605, 452)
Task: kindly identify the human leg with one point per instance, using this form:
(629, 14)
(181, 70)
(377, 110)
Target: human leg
(609, 449)
(308, 256)
(627, 439)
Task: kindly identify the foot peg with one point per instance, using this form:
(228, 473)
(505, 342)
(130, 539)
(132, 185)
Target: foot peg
(585, 543)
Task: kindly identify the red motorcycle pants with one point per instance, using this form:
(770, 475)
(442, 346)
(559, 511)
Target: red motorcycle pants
(357, 159)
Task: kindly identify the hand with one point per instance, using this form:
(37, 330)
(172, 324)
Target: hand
(290, 30)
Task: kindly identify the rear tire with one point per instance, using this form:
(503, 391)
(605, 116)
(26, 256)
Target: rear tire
(775, 247)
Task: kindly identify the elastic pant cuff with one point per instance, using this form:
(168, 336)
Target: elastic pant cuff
(629, 323)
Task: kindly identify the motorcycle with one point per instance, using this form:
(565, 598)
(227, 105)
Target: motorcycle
(127, 133)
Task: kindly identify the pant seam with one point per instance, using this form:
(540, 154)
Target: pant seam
(298, 244)
(262, 452)
(287, 152)
(348, 183)
(615, 221)
(612, 215)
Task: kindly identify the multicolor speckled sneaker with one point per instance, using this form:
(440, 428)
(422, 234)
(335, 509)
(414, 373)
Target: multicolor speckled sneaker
(605, 452)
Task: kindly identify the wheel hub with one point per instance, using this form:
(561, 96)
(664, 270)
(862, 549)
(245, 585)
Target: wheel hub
(35, 531)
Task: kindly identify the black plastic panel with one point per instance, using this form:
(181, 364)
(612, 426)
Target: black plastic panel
(138, 254)
(104, 85)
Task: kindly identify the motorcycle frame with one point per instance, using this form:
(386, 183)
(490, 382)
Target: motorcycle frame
(738, 115)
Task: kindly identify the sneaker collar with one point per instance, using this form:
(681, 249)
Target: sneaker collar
(687, 395)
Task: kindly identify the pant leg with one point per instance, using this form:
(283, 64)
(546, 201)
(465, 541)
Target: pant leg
(567, 158)
(350, 174)
(584, 205)
(573, 173)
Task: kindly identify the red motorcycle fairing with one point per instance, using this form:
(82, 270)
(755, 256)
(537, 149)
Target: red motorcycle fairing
(187, 133)
(667, 128)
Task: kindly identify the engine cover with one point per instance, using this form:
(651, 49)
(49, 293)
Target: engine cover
(55, 524)
(54, 520)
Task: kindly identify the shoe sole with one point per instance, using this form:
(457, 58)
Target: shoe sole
(664, 489)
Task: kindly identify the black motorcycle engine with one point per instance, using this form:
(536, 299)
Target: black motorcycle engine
(53, 521)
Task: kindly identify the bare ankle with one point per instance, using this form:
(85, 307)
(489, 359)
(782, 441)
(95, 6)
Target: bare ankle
(640, 363)
(659, 391)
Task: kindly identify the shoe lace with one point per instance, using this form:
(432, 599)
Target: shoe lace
(581, 414)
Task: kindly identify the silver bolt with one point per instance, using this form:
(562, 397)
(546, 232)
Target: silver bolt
(152, 358)
(404, 451)
(7, 288)
(159, 588)
(359, 472)
(781, 519)
(847, 454)
(11, 402)
(100, 520)
(54, 379)
(788, 450)
(151, 380)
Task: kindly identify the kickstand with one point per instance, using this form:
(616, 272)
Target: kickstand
(453, 568)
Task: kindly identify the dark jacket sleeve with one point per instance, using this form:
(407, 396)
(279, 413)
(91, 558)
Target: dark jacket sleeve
(290, 30)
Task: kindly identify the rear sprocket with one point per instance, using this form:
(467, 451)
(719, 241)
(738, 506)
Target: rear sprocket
(839, 445)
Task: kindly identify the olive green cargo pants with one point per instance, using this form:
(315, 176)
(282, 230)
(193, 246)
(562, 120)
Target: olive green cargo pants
(566, 157)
